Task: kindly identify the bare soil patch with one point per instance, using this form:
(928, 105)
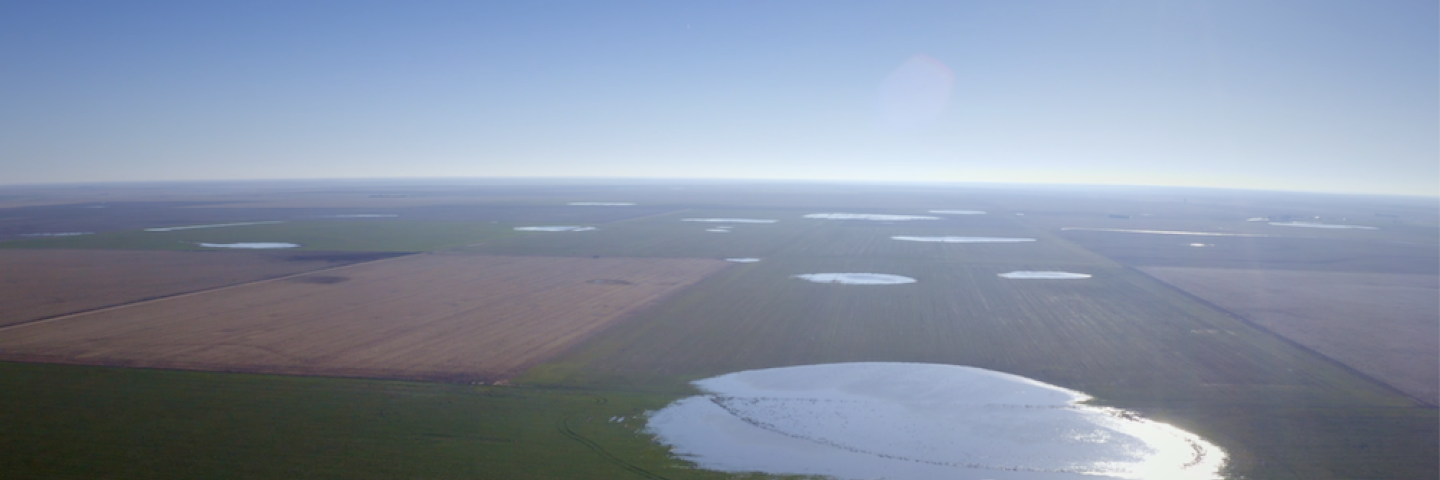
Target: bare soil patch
(37, 284)
(433, 316)
(1384, 325)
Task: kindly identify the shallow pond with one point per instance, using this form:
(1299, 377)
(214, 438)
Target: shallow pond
(251, 245)
(911, 421)
(856, 278)
(1044, 275)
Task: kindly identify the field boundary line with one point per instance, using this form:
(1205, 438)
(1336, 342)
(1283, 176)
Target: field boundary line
(148, 301)
(1384, 385)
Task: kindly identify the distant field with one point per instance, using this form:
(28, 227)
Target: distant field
(447, 317)
(1385, 325)
(100, 217)
(794, 236)
(1375, 255)
(43, 283)
(322, 235)
(1080, 334)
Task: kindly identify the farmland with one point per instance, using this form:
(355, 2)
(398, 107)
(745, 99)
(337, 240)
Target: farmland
(45, 283)
(1119, 336)
(594, 325)
(1381, 324)
(450, 317)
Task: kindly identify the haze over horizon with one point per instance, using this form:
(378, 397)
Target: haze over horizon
(1324, 96)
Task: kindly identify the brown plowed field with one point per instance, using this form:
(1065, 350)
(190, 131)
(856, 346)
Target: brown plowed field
(432, 316)
(1385, 325)
(37, 284)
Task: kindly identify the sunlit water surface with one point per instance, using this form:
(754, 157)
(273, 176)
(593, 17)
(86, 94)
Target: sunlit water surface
(856, 278)
(251, 245)
(1043, 275)
(909, 421)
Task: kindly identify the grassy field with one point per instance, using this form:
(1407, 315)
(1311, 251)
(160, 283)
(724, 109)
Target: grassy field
(334, 235)
(74, 422)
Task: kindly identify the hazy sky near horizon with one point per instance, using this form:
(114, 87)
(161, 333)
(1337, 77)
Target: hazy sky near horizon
(1315, 95)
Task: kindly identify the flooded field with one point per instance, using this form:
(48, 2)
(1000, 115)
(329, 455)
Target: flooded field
(912, 421)
(1044, 275)
(856, 278)
(555, 228)
(962, 239)
(251, 245)
(214, 225)
(869, 216)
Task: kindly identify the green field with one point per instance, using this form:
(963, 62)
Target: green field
(69, 422)
(320, 235)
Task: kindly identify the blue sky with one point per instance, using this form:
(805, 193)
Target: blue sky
(1291, 95)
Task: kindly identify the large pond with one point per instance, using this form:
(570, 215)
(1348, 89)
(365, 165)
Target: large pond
(912, 421)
